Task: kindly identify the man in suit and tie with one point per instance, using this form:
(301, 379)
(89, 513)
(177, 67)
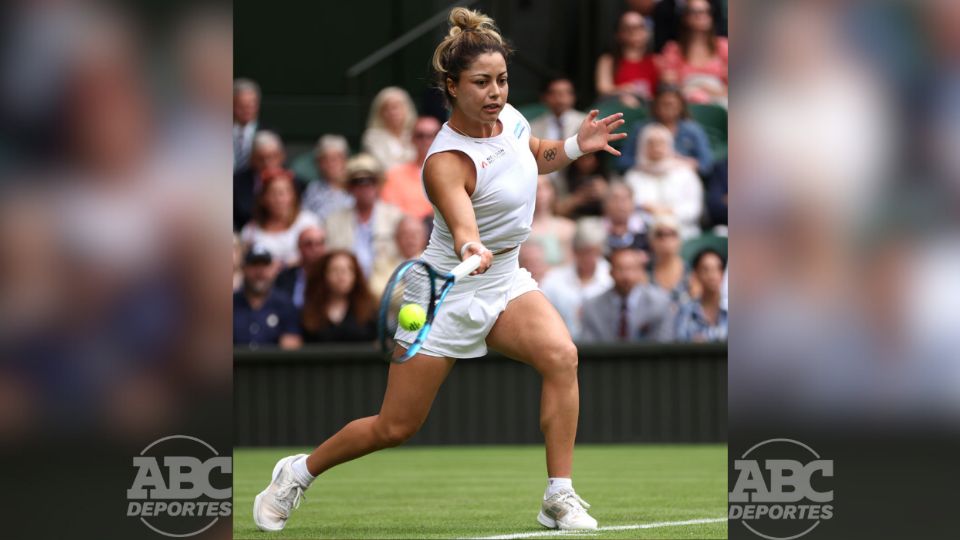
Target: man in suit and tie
(631, 310)
(312, 245)
(561, 120)
(246, 112)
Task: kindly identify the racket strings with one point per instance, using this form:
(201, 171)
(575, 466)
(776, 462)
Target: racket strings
(415, 286)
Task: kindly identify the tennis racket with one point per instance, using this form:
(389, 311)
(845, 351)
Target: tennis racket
(416, 282)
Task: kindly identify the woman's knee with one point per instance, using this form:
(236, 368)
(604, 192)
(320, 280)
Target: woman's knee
(394, 432)
(561, 359)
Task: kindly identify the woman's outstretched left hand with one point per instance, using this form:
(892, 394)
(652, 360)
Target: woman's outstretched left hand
(596, 135)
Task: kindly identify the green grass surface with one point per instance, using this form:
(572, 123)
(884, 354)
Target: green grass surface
(451, 492)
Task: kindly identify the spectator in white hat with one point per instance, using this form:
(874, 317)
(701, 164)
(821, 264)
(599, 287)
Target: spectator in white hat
(366, 229)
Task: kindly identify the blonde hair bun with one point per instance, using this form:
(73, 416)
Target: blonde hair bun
(471, 33)
(467, 20)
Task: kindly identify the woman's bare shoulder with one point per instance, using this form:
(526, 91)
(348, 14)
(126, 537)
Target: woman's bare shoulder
(447, 164)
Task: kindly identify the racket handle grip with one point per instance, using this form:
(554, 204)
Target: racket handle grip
(464, 268)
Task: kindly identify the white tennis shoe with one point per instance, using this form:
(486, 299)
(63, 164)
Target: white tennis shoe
(565, 510)
(272, 507)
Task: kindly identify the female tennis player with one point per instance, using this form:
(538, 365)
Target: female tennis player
(481, 177)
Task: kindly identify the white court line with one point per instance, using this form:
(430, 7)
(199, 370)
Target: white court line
(601, 529)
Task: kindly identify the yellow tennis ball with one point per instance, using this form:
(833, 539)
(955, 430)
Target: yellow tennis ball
(412, 317)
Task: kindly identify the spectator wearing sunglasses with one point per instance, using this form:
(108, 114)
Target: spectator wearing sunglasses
(367, 229)
(668, 270)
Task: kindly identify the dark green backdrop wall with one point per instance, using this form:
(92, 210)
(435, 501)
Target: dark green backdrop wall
(300, 53)
(629, 393)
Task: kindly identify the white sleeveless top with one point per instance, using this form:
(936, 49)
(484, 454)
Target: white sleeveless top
(506, 189)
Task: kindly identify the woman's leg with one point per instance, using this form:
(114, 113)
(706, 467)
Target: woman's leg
(411, 387)
(530, 330)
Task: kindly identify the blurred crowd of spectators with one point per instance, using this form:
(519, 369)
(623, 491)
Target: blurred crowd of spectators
(666, 41)
(627, 249)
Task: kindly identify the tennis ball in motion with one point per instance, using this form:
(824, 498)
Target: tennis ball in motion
(412, 317)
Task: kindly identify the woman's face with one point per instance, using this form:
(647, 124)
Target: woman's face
(665, 241)
(619, 204)
(657, 148)
(246, 105)
(667, 108)
(332, 164)
(698, 16)
(279, 198)
(482, 89)
(632, 32)
(340, 275)
(394, 113)
(710, 272)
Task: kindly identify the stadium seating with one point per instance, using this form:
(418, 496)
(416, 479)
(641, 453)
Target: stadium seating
(713, 118)
(303, 166)
(530, 111)
(706, 240)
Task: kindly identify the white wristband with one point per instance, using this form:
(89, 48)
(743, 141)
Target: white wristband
(463, 249)
(572, 148)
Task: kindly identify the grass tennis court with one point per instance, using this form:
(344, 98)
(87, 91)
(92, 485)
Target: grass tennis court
(477, 491)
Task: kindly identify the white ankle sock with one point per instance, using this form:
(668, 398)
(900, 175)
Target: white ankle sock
(556, 484)
(301, 473)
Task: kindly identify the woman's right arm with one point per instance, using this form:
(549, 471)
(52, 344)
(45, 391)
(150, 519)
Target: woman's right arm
(446, 177)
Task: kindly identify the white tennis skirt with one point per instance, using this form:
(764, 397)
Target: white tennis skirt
(471, 308)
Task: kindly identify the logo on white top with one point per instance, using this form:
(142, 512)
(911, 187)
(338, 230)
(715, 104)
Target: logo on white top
(487, 161)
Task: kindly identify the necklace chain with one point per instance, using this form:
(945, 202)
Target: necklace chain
(464, 133)
(455, 128)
